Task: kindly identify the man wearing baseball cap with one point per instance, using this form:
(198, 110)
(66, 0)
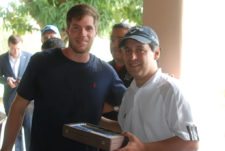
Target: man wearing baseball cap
(49, 31)
(154, 113)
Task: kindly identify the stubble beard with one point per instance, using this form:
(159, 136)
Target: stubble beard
(76, 51)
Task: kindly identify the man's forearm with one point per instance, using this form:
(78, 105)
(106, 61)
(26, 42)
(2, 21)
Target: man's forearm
(10, 134)
(13, 124)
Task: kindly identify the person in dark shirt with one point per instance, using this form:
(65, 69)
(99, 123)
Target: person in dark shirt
(68, 85)
(118, 32)
(53, 43)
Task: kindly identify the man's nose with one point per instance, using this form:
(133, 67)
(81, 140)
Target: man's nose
(83, 32)
(133, 55)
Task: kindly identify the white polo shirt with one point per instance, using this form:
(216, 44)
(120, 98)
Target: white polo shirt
(156, 111)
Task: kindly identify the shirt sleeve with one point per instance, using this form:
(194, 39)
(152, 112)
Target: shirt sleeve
(180, 118)
(27, 86)
(117, 89)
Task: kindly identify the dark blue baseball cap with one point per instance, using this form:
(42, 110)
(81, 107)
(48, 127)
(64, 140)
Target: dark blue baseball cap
(143, 34)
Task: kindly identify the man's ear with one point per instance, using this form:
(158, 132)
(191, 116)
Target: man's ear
(157, 53)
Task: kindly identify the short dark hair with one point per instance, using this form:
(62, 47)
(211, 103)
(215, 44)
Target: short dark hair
(79, 11)
(14, 39)
(53, 43)
(121, 25)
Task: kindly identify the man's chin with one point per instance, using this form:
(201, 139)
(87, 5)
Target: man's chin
(132, 72)
(80, 50)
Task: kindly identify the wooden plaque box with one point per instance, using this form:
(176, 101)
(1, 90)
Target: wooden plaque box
(93, 135)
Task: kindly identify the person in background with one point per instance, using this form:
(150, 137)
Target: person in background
(154, 113)
(53, 43)
(49, 31)
(118, 32)
(12, 66)
(67, 85)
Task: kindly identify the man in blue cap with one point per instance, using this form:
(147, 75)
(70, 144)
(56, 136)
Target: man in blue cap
(155, 113)
(49, 31)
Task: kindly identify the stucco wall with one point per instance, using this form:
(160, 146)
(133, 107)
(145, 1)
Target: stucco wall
(165, 16)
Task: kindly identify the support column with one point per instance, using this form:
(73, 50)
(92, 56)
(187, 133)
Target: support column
(165, 17)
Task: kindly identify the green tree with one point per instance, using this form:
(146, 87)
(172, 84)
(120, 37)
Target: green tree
(18, 16)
